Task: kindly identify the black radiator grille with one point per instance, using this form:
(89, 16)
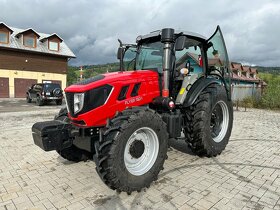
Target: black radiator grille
(70, 102)
(92, 99)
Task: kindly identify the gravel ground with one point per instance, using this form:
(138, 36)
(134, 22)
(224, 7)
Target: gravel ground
(245, 176)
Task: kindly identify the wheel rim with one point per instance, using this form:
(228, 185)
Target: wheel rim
(219, 121)
(141, 151)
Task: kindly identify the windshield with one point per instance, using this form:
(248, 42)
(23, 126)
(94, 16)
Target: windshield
(150, 56)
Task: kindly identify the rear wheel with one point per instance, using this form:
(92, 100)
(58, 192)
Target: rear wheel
(208, 122)
(133, 150)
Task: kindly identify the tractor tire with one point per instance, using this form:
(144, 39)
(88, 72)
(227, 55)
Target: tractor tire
(74, 154)
(71, 153)
(62, 115)
(208, 122)
(39, 101)
(133, 150)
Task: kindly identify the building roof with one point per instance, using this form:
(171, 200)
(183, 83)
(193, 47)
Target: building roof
(50, 36)
(245, 79)
(253, 70)
(234, 66)
(237, 66)
(25, 31)
(246, 68)
(214, 62)
(16, 44)
(3, 24)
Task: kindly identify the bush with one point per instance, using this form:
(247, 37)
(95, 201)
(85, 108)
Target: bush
(271, 96)
(248, 102)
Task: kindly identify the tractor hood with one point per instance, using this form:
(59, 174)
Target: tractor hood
(110, 78)
(92, 101)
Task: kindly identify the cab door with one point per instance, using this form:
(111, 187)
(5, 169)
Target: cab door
(217, 56)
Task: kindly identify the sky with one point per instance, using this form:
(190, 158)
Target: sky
(91, 28)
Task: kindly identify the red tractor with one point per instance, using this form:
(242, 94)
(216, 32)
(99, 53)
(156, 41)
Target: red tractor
(171, 85)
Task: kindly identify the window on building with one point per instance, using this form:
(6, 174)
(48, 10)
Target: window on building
(4, 37)
(53, 46)
(29, 41)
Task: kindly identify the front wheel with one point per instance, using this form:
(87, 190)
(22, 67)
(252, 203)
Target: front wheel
(71, 153)
(74, 154)
(133, 150)
(208, 122)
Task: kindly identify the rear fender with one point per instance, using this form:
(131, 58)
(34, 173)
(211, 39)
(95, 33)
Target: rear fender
(198, 87)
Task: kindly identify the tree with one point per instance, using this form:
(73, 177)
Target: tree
(71, 75)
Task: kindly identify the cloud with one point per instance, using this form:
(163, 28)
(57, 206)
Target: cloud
(91, 28)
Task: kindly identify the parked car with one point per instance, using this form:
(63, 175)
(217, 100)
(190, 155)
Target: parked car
(44, 92)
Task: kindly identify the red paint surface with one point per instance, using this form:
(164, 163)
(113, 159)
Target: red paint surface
(149, 90)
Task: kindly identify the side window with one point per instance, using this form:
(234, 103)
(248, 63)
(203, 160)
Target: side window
(190, 56)
(129, 58)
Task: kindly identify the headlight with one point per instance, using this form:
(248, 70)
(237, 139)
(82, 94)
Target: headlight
(78, 102)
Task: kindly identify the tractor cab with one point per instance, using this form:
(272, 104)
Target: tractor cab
(191, 55)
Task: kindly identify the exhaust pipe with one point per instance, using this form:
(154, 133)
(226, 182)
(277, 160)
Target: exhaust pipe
(167, 37)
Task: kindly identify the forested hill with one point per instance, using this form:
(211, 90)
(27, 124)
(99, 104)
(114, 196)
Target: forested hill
(92, 70)
(271, 70)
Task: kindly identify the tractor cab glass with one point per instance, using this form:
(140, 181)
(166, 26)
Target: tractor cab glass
(129, 58)
(190, 58)
(218, 62)
(149, 56)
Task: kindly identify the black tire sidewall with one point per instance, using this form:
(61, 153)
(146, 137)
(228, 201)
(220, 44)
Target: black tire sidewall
(210, 144)
(118, 157)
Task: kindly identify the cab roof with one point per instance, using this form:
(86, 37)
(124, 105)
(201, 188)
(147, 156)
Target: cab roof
(177, 32)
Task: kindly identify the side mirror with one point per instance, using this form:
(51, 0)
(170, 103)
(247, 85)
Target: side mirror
(120, 53)
(180, 43)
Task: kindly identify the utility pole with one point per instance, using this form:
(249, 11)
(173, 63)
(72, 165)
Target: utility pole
(81, 73)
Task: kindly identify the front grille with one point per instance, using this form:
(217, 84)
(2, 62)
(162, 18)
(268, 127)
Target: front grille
(70, 102)
(93, 99)
(96, 97)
